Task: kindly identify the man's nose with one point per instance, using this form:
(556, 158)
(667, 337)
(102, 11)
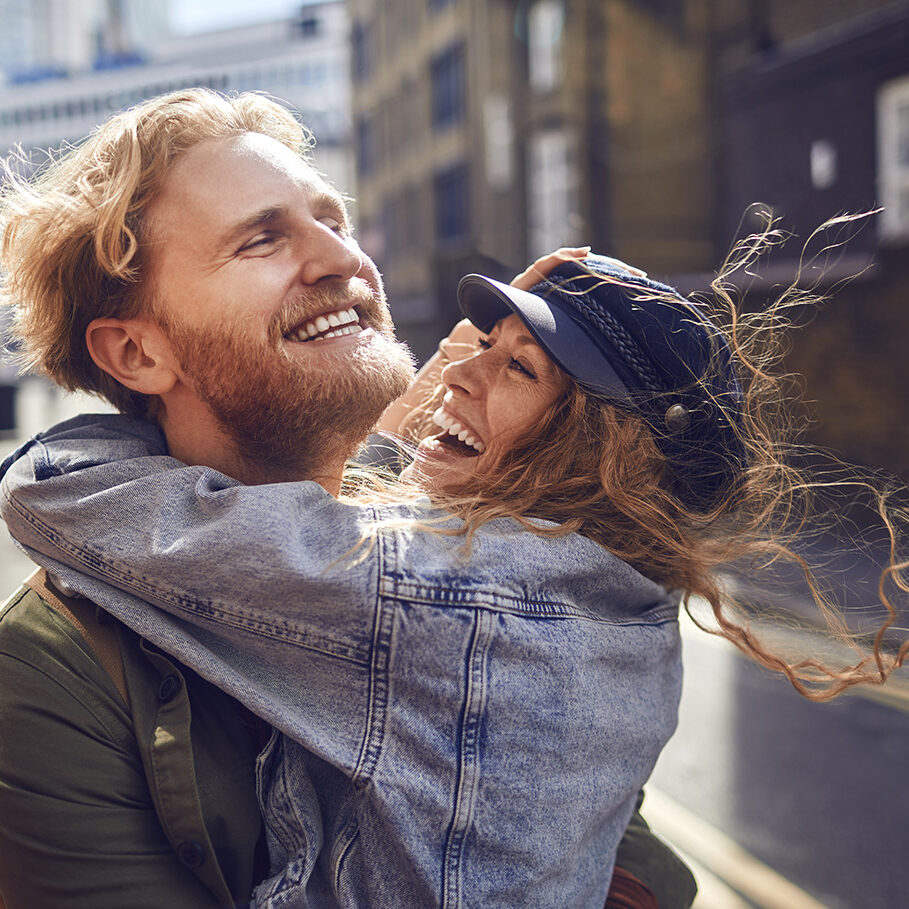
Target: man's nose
(325, 254)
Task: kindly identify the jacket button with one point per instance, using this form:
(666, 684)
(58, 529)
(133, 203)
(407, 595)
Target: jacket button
(169, 686)
(191, 853)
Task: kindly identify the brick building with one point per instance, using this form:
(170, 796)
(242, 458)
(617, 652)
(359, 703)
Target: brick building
(489, 131)
(813, 120)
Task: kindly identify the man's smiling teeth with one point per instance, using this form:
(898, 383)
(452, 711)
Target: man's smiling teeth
(454, 428)
(329, 325)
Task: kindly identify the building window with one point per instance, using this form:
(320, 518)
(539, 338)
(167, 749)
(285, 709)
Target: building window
(499, 136)
(412, 214)
(362, 51)
(552, 192)
(448, 76)
(893, 158)
(545, 24)
(822, 164)
(366, 145)
(308, 26)
(452, 203)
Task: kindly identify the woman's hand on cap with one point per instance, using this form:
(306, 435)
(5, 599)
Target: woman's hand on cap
(546, 264)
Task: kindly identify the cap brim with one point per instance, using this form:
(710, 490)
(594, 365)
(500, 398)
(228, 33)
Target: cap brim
(485, 301)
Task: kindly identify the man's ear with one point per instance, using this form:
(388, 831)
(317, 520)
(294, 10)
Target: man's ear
(135, 352)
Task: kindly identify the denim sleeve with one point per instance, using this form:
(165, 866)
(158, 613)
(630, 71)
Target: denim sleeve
(253, 578)
(103, 499)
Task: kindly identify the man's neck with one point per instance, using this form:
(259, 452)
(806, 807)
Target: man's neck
(202, 441)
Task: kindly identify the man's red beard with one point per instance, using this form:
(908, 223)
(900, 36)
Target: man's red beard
(289, 417)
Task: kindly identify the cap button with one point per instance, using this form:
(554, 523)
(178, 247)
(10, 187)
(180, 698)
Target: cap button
(677, 418)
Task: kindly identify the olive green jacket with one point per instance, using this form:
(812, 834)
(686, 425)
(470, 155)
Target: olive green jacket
(146, 801)
(104, 805)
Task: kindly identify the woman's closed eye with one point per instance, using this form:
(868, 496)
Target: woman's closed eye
(520, 367)
(513, 363)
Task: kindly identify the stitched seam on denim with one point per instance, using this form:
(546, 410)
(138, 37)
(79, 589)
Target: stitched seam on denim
(42, 463)
(275, 822)
(342, 856)
(451, 598)
(377, 707)
(475, 698)
(437, 595)
(123, 578)
(301, 859)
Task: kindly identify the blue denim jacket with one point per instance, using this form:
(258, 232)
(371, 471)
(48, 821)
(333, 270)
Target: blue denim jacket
(460, 729)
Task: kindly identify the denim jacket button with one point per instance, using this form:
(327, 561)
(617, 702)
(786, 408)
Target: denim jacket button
(191, 853)
(168, 688)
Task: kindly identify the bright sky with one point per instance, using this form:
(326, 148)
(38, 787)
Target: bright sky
(202, 15)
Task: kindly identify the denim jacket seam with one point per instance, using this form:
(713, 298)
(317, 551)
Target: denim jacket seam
(494, 601)
(381, 643)
(474, 707)
(41, 461)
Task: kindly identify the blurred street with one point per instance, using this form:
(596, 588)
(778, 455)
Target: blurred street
(777, 803)
(815, 792)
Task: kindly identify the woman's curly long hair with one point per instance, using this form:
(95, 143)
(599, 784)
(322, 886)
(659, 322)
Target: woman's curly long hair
(597, 469)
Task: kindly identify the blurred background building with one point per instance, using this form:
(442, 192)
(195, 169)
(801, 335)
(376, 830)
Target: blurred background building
(490, 131)
(478, 134)
(69, 65)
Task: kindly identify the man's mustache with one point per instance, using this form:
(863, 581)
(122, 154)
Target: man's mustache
(318, 300)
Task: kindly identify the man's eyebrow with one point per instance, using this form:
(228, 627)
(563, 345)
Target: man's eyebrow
(332, 200)
(326, 200)
(258, 219)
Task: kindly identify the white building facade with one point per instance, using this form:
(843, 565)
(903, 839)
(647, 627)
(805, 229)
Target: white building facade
(302, 61)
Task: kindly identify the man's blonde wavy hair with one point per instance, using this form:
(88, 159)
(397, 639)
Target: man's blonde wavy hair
(74, 240)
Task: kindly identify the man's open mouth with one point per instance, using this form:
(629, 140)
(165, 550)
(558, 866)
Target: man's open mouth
(456, 436)
(329, 325)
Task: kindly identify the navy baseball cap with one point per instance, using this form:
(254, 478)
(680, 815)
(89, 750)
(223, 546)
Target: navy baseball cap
(641, 345)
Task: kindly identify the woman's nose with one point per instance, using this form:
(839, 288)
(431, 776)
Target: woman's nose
(465, 375)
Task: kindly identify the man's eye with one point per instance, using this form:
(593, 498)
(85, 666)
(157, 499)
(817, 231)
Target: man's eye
(336, 225)
(483, 343)
(259, 241)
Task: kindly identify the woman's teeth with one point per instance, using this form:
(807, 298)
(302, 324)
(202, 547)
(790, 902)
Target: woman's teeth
(454, 428)
(330, 325)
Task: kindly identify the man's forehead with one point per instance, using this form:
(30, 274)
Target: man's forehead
(251, 156)
(223, 180)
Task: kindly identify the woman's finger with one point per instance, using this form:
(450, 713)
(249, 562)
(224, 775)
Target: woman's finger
(545, 264)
